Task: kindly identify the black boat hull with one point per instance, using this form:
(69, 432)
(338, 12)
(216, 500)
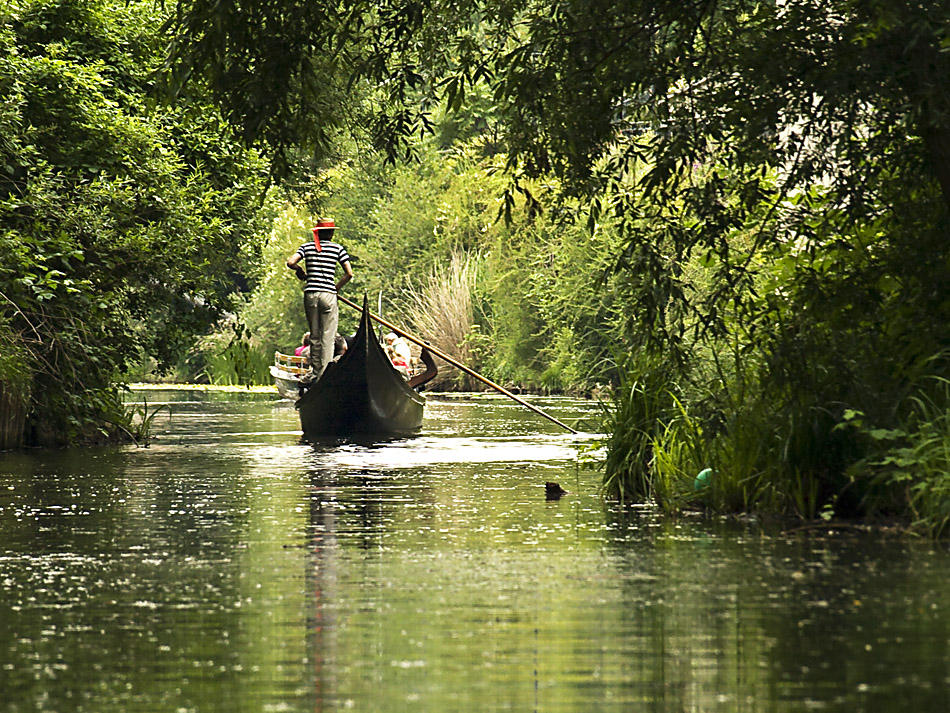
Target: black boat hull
(360, 394)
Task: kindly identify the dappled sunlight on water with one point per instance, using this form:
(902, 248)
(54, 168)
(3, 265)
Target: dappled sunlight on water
(230, 567)
(433, 450)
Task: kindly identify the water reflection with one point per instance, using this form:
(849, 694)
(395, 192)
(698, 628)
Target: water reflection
(231, 568)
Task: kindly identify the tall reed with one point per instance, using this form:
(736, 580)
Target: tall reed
(763, 452)
(643, 404)
(231, 359)
(680, 453)
(733, 453)
(440, 309)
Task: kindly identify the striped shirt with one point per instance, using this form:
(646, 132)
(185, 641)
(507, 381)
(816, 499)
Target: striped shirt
(321, 266)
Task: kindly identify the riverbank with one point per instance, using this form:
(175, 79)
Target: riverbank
(224, 389)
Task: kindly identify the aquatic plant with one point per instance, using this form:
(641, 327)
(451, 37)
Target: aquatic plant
(910, 465)
(141, 422)
(679, 453)
(644, 403)
(229, 357)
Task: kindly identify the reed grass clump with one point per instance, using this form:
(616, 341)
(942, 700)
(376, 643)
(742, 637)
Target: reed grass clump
(229, 357)
(740, 445)
(756, 451)
(441, 308)
(644, 404)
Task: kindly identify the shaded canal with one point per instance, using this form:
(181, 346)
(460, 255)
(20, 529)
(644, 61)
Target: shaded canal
(230, 568)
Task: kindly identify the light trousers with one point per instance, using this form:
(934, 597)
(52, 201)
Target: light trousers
(323, 316)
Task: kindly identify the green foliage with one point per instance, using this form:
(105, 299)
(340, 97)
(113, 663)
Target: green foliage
(534, 314)
(229, 356)
(909, 464)
(515, 322)
(752, 82)
(644, 404)
(121, 228)
(274, 313)
(767, 189)
(275, 68)
(443, 204)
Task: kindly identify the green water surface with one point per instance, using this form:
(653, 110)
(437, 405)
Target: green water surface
(228, 567)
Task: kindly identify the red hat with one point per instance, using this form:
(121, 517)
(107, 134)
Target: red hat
(321, 225)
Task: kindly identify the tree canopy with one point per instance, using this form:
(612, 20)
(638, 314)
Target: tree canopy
(754, 79)
(123, 230)
(738, 110)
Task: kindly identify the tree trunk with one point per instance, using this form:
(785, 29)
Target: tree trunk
(12, 418)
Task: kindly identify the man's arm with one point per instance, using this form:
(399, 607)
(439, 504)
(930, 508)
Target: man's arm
(347, 275)
(293, 262)
(430, 373)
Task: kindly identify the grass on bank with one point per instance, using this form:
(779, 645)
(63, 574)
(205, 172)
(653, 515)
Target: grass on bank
(793, 459)
(220, 388)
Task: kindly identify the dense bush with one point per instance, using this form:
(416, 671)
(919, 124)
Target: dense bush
(529, 302)
(125, 227)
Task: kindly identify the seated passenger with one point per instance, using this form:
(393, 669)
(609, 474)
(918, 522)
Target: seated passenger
(340, 346)
(402, 350)
(304, 351)
(398, 351)
(388, 344)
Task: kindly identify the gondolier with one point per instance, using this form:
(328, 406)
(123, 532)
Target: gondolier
(321, 256)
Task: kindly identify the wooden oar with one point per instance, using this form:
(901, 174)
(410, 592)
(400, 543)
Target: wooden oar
(453, 362)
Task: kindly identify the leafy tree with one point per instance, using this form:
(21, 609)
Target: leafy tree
(121, 228)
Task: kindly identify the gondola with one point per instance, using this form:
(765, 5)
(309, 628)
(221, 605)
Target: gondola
(360, 394)
(286, 372)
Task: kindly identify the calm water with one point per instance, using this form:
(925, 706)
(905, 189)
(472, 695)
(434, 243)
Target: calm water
(230, 568)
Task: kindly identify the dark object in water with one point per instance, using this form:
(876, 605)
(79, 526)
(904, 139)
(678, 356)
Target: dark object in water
(360, 394)
(553, 491)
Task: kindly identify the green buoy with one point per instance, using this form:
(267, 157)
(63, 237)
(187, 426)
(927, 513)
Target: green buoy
(703, 479)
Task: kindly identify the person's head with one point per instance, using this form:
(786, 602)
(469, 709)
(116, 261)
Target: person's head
(390, 338)
(339, 345)
(306, 339)
(323, 230)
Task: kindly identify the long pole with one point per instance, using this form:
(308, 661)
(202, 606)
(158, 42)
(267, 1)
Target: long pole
(453, 362)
